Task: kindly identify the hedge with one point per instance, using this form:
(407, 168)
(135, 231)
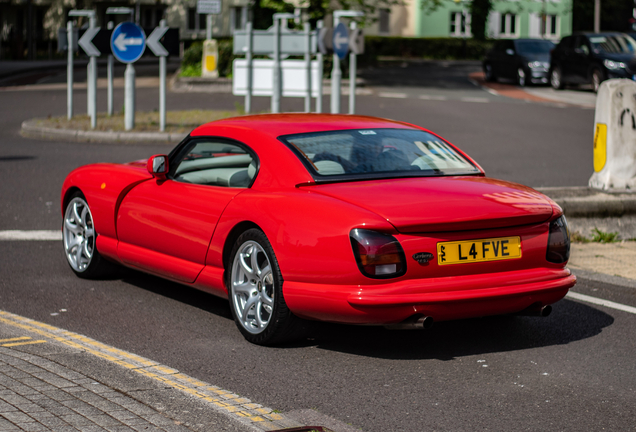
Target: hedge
(376, 47)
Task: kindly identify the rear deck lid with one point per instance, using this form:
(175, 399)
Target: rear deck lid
(436, 204)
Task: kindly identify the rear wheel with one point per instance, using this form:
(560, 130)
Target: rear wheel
(489, 73)
(597, 79)
(255, 288)
(79, 237)
(556, 78)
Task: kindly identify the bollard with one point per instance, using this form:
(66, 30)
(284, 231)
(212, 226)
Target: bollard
(129, 98)
(615, 136)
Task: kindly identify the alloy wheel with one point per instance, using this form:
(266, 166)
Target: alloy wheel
(252, 290)
(79, 234)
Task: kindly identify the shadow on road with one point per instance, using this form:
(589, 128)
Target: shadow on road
(569, 322)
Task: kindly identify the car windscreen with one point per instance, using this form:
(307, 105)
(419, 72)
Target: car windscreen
(534, 47)
(613, 44)
(376, 153)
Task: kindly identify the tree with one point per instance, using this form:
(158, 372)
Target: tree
(615, 15)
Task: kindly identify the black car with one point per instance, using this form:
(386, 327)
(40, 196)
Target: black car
(592, 58)
(526, 61)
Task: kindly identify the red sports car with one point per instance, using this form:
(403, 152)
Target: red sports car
(338, 218)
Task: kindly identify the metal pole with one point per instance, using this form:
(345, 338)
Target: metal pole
(336, 74)
(307, 28)
(320, 59)
(69, 71)
(275, 107)
(129, 103)
(248, 59)
(162, 87)
(109, 72)
(93, 78)
(208, 26)
(353, 59)
(597, 16)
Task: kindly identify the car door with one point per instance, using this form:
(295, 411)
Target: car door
(562, 56)
(164, 226)
(581, 58)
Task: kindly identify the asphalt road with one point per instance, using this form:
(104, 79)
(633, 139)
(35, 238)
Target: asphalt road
(574, 370)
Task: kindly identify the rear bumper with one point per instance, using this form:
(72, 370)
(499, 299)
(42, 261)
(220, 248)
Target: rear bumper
(440, 298)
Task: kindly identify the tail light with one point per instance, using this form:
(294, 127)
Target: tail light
(378, 255)
(558, 241)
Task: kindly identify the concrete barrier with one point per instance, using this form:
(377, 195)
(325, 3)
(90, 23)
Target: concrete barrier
(615, 136)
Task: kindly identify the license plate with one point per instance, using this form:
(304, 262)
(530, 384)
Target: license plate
(470, 251)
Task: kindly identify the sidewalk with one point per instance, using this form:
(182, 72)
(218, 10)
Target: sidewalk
(55, 380)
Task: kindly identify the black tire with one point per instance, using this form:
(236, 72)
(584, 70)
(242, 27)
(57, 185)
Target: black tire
(489, 74)
(522, 78)
(270, 320)
(83, 257)
(556, 78)
(596, 78)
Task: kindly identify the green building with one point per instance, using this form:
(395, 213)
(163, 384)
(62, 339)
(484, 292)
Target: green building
(509, 19)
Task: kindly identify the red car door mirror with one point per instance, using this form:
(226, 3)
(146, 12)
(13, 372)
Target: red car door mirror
(158, 165)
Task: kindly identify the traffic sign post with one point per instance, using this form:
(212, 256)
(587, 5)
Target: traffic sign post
(154, 43)
(85, 42)
(319, 58)
(307, 29)
(111, 60)
(69, 71)
(128, 43)
(340, 50)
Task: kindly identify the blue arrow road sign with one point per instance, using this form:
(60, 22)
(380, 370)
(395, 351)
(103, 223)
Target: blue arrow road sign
(341, 41)
(128, 42)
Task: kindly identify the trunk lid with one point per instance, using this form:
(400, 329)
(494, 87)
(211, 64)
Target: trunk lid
(437, 204)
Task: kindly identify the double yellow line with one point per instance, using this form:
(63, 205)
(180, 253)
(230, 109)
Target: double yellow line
(25, 340)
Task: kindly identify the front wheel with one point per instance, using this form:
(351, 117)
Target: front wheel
(521, 77)
(79, 237)
(556, 79)
(255, 288)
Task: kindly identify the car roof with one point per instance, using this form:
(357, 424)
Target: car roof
(276, 125)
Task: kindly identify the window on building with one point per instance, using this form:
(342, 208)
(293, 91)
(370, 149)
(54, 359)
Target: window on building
(550, 26)
(508, 25)
(460, 24)
(195, 21)
(238, 18)
(384, 21)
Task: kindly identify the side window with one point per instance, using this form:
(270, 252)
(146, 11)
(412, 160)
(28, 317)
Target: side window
(214, 162)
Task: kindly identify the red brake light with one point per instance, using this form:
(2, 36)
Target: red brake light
(378, 255)
(558, 242)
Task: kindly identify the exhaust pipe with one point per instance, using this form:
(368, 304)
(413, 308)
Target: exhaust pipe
(540, 311)
(421, 323)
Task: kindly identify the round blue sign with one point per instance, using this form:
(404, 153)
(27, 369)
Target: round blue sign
(341, 40)
(128, 42)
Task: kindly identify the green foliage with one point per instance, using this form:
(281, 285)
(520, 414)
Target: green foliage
(422, 48)
(577, 237)
(615, 15)
(604, 237)
(192, 57)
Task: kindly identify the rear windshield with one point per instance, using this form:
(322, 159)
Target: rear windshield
(615, 44)
(376, 153)
(534, 47)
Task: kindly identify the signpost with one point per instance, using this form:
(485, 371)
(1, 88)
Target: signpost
(154, 43)
(128, 43)
(341, 47)
(85, 42)
(111, 60)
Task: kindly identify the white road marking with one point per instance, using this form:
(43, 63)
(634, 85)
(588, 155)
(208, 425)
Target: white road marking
(433, 97)
(601, 302)
(19, 235)
(393, 95)
(475, 99)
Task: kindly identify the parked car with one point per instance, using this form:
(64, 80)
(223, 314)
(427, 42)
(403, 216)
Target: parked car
(526, 61)
(591, 58)
(338, 218)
